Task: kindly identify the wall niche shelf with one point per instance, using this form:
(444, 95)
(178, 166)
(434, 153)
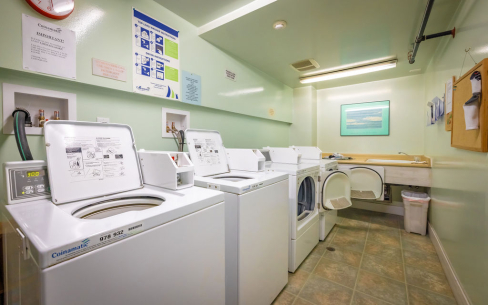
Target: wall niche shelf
(34, 99)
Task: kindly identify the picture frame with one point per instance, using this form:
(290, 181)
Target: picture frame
(366, 119)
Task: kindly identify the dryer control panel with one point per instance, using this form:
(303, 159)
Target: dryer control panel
(26, 181)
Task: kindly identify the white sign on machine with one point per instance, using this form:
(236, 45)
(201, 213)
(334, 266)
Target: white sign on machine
(155, 53)
(48, 48)
(89, 244)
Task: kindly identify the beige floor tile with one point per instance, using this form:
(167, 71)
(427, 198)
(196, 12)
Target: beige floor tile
(428, 280)
(386, 252)
(388, 220)
(296, 281)
(418, 296)
(426, 261)
(381, 287)
(384, 229)
(310, 262)
(284, 298)
(415, 238)
(357, 214)
(376, 244)
(319, 248)
(416, 246)
(347, 242)
(300, 301)
(390, 268)
(363, 299)
(330, 236)
(349, 257)
(336, 271)
(384, 239)
(357, 233)
(353, 224)
(321, 291)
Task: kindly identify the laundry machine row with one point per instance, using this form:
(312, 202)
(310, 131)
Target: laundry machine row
(318, 189)
(256, 216)
(82, 228)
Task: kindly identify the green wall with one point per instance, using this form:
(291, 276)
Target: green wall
(143, 114)
(459, 207)
(303, 131)
(406, 95)
(103, 31)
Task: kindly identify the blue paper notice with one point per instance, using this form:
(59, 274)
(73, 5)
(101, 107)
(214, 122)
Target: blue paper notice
(191, 88)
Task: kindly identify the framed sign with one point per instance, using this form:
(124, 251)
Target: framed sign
(366, 119)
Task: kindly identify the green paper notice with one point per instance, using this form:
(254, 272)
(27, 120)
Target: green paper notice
(171, 74)
(171, 48)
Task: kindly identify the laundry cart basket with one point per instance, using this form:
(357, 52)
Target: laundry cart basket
(416, 207)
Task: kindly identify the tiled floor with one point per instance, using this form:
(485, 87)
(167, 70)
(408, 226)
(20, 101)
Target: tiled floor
(374, 262)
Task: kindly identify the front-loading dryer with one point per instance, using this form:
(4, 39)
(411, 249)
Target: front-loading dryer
(303, 202)
(334, 187)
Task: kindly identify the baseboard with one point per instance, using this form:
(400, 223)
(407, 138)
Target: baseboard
(378, 207)
(457, 289)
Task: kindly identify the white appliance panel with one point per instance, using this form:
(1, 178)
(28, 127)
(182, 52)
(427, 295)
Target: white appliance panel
(263, 273)
(177, 263)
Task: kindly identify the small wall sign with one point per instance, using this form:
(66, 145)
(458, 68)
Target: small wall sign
(109, 70)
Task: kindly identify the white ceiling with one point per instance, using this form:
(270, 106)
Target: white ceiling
(200, 12)
(335, 33)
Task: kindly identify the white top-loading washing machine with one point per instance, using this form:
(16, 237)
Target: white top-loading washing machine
(334, 187)
(256, 209)
(303, 202)
(104, 238)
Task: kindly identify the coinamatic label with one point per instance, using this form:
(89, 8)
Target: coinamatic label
(89, 244)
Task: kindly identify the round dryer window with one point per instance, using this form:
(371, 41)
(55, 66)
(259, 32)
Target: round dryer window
(306, 198)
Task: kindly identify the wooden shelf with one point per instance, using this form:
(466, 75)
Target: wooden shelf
(476, 139)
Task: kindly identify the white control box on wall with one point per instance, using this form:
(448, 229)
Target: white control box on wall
(179, 118)
(33, 99)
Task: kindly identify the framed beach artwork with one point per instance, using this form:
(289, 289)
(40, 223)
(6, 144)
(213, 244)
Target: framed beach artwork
(366, 119)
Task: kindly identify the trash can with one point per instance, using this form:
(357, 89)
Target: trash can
(416, 207)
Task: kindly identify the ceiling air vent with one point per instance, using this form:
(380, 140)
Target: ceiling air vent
(305, 65)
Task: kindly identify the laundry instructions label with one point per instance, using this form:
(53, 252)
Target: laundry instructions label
(155, 53)
(94, 158)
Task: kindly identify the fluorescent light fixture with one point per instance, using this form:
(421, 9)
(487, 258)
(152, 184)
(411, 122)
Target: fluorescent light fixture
(357, 95)
(278, 25)
(349, 72)
(242, 92)
(361, 109)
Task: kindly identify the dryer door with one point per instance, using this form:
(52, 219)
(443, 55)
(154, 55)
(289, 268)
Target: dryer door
(306, 203)
(336, 191)
(366, 183)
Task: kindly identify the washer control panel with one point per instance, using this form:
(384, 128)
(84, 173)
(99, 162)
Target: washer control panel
(27, 182)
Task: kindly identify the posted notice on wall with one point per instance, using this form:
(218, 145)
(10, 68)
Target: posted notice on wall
(155, 53)
(192, 88)
(48, 48)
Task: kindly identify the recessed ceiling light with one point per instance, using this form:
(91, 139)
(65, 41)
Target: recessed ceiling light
(415, 70)
(278, 25)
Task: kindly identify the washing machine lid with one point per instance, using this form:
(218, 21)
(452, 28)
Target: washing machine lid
(88, 160)
(207, 152)
(309, 152)
(336, 191)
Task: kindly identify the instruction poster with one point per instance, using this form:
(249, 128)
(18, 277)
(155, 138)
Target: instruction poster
(48, 48)
(155, 53)
(192, 88)
(94, 158)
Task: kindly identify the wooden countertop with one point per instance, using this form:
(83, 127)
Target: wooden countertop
(361, 159)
